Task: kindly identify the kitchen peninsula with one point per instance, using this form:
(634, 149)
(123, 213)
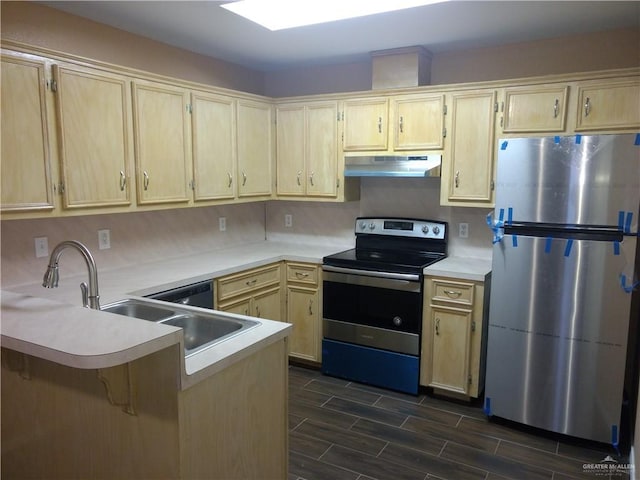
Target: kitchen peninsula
(121, 399)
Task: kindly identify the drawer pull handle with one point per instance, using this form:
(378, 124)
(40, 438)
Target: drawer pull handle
(298, 178)
(145, 182)
(437, 326)
(123, 181)
(310, 307)
(251, 282)
(302, 275)
(457, 179)
(587, 107)
(556, 108)
(453, 293)
(244, 179)
(230, 180)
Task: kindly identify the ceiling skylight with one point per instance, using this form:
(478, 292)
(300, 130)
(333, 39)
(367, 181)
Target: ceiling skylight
(282, 14)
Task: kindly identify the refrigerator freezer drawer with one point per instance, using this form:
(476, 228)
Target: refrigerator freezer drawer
(557, 336)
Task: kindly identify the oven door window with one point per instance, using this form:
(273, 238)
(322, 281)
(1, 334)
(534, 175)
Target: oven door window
(374, 306)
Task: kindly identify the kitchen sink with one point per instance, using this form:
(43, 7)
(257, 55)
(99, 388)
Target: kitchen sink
(139, 309)
(201, 330)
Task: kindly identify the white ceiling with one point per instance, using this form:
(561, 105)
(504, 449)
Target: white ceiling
(206, 28)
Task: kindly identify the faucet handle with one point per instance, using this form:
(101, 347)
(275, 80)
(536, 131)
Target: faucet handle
(85, 294)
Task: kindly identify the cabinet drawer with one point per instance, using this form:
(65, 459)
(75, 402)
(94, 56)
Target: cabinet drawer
(458, 293)
(302, 273)
(247, 281)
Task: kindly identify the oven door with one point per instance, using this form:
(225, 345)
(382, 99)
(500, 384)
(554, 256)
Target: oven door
(375, 309)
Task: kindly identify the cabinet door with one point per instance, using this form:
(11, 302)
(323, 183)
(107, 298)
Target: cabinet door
(255, 148)
(241, 307)
(613, 106)
(535, 109)
(322, 149)
(303, 313)
(290, 156)
(94, 134)
(161, 141)
(26, 173)
(451, 331)
(366, 124)
(268, 304)
(214, 148)
(468, 160)
(419, 123)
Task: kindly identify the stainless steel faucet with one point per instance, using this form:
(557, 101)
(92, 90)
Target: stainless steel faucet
(90, 297)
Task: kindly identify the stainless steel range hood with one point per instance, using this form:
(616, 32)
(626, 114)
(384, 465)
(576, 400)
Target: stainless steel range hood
(393, 166)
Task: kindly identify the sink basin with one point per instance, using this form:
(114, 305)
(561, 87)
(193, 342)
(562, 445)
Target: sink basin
(138, 309)
(201, 330)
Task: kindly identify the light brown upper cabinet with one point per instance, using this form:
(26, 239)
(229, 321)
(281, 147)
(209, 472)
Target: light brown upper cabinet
(307, 149)
(161, 120)
(94, 124)
(214, 146)
(467, 164)
(366, 124)
(540, 108)
(610, 105)
(26, 168)
(255, 148)
(418, 122)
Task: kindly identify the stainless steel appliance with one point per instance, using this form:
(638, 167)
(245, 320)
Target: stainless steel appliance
(564, 293)
(197, 295)
(372, 301)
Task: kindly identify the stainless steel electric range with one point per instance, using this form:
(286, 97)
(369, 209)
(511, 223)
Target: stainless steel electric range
(372, 301)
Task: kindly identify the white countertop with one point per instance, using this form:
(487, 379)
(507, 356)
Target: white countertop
(51, 324)
(466, 268)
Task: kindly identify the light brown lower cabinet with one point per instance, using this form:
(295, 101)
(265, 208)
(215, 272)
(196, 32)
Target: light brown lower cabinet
(304, 310)
(454, 328)
(132, 421)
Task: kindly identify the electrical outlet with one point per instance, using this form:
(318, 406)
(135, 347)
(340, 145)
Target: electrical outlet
(463, 230)
(222, 223)
(104, 239)
(288, 220)
(42, 247)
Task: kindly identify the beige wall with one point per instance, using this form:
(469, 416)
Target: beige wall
(596, 51)
(49, 28)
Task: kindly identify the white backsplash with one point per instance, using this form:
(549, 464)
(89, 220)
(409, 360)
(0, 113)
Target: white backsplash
(137, 238)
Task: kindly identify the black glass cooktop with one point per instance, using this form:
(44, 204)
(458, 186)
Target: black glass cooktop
(383, 260)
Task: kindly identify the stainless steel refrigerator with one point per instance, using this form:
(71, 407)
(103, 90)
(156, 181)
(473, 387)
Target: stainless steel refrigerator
(564, 292)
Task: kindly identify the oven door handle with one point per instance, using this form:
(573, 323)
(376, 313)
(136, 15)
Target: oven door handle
(411, 277)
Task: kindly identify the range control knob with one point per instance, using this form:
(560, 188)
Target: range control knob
(372, 226)
(397, 321)
(425, 229)
(363, 225)
(436, 230)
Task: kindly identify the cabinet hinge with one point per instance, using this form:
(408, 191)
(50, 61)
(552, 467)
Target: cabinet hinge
(338, 183)
(338, 117)
(502, 106)
(501, 121)
(469, 380)
(473, 325)
(444, 132)
(495, 107)
(444, 109)
(189, 108)
(192, 185)
(493, 185)
(60, 188)
(53, 85)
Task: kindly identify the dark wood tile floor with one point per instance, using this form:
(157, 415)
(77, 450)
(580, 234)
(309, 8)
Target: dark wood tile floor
(348, 431)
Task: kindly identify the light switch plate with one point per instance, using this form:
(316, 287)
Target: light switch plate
(463, 230)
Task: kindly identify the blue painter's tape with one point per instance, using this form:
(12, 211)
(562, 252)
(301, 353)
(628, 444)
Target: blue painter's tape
(578, 139)
(637, 142)
(556, 139)
(627, 222)
(515, 241)
(547, 245)
(487, 406)
(628, 288)
(501, 216)
(621, 220)
(510, 216)
(614, 436)
(616, 247)
(503, 145)
(567, 249)
(496, 228)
